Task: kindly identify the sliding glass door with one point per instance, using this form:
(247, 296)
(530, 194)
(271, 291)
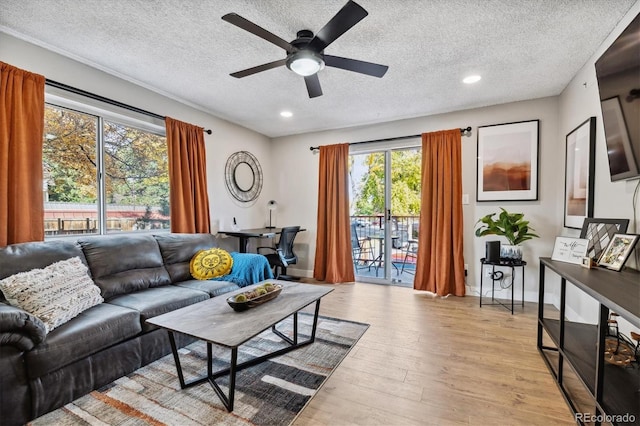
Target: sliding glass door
(385, 206)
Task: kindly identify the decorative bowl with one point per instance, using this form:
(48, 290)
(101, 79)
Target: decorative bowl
(255, 301)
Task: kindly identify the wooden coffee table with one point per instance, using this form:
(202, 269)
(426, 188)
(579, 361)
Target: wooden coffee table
(214, 322)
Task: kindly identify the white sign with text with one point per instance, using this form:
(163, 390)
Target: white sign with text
(571, 250)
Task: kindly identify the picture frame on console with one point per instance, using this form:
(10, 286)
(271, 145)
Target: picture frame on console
(617, 252)
(599, 232)
(579, 174)
(508, 155)
(570, 250)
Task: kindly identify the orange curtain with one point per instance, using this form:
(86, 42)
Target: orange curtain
(21, 135)
(188, 198)
(440, 263)
(333, 262)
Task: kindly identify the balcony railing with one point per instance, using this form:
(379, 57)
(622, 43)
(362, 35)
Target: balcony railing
(403, 228)
(61, 226)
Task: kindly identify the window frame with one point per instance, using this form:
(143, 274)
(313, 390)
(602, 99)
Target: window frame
(103, 111)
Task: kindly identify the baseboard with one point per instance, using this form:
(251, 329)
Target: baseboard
(304, 273)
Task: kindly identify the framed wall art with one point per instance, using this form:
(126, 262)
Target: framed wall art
(599, 232)
(508, 161)
(618, 251)
(579, 174)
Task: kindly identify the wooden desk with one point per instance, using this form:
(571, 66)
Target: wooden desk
(244, 235)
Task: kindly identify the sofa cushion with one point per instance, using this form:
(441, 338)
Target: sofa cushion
(54, 294)
(122, 264)
(152, 302)
(95, 329)
(210, 263)
(22, 257)
(214, 288)
(178, 250)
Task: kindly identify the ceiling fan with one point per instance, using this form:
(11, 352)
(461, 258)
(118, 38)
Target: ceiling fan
(305, 54)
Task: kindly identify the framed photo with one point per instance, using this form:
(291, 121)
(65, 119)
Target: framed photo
(579, 174)
(618, 251)
(570, 250)
(508, 161)
(599, 232)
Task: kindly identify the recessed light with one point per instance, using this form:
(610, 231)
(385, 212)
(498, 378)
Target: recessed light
(286, 114)
(472, 79)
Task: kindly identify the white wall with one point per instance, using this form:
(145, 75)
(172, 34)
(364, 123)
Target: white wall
(579, 101)
(226, 138)
(299, 195)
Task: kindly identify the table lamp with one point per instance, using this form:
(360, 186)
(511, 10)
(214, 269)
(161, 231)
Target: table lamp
(272, 205)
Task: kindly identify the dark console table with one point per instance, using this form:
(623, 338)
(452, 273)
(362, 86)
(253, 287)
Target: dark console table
(509, 263)
(613, 391)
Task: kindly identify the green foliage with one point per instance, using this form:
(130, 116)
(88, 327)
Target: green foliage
(136, 167)
(512, 226)
(405, 184)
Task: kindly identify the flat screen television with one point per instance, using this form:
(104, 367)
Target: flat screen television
(618, 74)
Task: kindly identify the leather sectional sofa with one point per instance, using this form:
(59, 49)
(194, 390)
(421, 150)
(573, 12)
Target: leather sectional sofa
(140, 276)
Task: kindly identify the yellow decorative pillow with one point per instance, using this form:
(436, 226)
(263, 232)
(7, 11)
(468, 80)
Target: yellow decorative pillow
(211, 263)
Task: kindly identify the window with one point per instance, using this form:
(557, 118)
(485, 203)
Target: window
(104, 173)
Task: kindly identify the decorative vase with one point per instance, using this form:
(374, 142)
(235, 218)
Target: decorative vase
(508, 251)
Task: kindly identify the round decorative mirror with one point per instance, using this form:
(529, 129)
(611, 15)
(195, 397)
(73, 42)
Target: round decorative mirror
(243, 176)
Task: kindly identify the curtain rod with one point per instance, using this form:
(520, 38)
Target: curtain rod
(398, 138)
(106, 100)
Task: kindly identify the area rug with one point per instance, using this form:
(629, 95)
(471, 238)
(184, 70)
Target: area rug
(271, 393)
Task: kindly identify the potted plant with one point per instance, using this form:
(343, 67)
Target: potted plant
(512, 226)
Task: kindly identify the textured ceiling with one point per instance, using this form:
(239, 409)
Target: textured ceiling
(523, 49)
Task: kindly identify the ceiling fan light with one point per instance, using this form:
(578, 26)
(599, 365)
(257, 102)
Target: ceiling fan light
(471, 79)
(305, 63)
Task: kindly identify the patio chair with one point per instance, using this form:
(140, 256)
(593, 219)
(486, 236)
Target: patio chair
(361, 249)
(411, 253)
(399, 245)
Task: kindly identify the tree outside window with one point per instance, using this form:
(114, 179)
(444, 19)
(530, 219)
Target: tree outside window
(135, 171)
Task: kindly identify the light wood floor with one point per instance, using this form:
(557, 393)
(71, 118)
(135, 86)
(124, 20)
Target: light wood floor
(442, 361)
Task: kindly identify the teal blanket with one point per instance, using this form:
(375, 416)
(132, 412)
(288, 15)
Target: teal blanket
(248, 268)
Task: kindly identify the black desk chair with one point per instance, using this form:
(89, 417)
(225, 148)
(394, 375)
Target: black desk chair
(283, 255)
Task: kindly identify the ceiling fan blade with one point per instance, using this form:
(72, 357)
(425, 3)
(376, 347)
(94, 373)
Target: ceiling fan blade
(313, 85)
(347, 17)
(239, 21)
(369, 68)
(259, 68)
